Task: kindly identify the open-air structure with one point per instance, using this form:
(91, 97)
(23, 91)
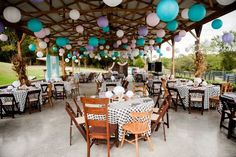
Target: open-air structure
(65, 32)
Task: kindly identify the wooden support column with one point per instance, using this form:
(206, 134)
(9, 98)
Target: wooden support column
(200, 66)
(173, 57)
(63, 66)
(73, 65)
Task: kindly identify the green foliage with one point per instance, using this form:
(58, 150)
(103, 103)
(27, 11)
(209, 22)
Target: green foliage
(185, 63)
(228, 62)
(213, 62)
(139, 62)
(166, 62)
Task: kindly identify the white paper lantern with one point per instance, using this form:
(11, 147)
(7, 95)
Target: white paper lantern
(129, 94)
(41, 34)
(161, 33)
(67, 60)
(39, 54)
(182, 33)
(152, 19)
(112, 3)
(118, 90)
(119, 42)
(108, 94)
(146, 48)
(101, 47)
(91, 55)
(12, 14)
(76, 61)
(133, 41)
(80, 29)
(61, 54)
(151, 42)
(120, 33)
(62, 51)
(136, 52)
(43, 45)
(74, 14)
(184, 13)
(79, 42)
(124, 40)
(68, 47)
(3, 37)
(107, 47)
(225, 2)
(47, 31)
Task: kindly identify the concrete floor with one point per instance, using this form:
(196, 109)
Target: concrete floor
(46, 134)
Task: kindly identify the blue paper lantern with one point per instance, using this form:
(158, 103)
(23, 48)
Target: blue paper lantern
(61, 41)
(216, 24)
(140, 42)
(158, 40)
(106, 29)
(167, 10)
(54, 49)
(102, 41)
(93, 41)
(197, 12)
(34, 25)
(69, 55)
(172, 25)
(32, 47)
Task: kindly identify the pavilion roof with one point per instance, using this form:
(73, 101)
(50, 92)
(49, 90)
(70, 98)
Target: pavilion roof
(128, 16)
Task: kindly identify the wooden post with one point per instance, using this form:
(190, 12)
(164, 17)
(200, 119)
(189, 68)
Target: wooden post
(200, 66)
(173, 57)
(73, 66)
(63, 66)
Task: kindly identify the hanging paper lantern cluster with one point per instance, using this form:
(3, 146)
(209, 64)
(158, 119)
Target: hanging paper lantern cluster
(112, 3)
(142, 31)
(216, 24)
(120, 33)
(43, 45)
(172, 26)
(34, 25)
(74, 14)
(3, 37)
(225, 2)
(167, 10)
(32, 47)
(158, 40)
(151, 42)
(102, 21)
(68, 47)
(61, 41)
(79, 29)
(39, 54)
(184, 13)
(152, 19)
(197, 12)
(105, 29)
(93, 41)
(140, 42)
(228, 38)
(124, 40)
(40, 34)
(12, 14)
(161, 33)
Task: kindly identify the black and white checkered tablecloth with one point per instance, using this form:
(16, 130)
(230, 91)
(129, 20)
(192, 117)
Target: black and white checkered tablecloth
(209, 91)
(119, 112)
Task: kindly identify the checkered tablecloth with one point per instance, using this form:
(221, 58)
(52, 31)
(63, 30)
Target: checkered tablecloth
(104, 84)
(20, 96)
(209, 91)
(119, 112)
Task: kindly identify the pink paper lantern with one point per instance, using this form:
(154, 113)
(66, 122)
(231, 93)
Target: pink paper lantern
(102, 21)
(124, 40)
(40, 34)
(161, 33)
(168, 49)
(152, 19)
(46, 40)
(133, 45)
(80, 29)
(142, 31)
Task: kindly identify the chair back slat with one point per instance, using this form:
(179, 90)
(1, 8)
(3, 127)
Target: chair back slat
(96, 109)
(79, 111)
(44, 87)
(97, 123)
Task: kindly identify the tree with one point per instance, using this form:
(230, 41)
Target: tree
(139, 62)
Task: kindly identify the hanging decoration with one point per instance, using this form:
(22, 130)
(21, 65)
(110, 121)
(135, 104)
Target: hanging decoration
(47, 31)
(74, 14)
(225, 2)
(34, 25)
(32, 47)
(152, 19)
(102, 41)
(228, 38)
(197, 12)
(142, 31)
(79, 29)
(140, 42)
(68, 47)
(40, 34)
(67, 60)
(161, 33)
(106, 29)
(172, 26)
(54, 49)
(39, 54)
(184, 14)
(167, 10)
(124, 40)
(112, 3)
(12, 14)
(216, 24)
(182, 33)
(93, 41)
(42, 45)
(120, 33)
(102, 21)
(158, 40)
(61, 41)
(177, 38)
(3, 37)
(151, 42)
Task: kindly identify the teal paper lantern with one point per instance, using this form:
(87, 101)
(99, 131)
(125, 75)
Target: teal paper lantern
(93, 41)
(140, 42)
(74, 58)
(197, 12)
(82, 49)
(102, 41)
(69, 55)
(158, 40)
(167, 10)
(216, 24)
(102, 53)
(54, 49)
(172, 25)
(34, 25)
(125, 46)
(32, 47)
(61, 41)
(106, 29)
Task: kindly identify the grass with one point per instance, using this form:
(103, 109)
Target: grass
(7, 75)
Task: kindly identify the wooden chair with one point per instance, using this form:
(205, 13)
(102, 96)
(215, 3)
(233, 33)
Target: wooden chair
(75, 89)
(196, 99)
(33, 100)
(170, 83)
(78, 109)
(125, 84)
(99, 85)
(139, 127)
(164, 88)
(44, 88)
(78, 121)
(140, 88)
(156, 90)
(177, 100)
(59, 91)
(48, 95)
(8, 104)
(228, 112)
(157, 118)
(98, 129)
(138, 78)
(110, 86)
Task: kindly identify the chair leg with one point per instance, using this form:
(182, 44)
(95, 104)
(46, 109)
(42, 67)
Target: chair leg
(1, 111)
(230, 129)
(12, 110)
(88, 147)
(164, 131)
(136, 145)
(123, 139)
(149, 142)
(167, 119)
(189, 108)
(71, 132)
(222, 118)
(108, 147)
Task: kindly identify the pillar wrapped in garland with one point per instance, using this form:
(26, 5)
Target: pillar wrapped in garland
(52, 64)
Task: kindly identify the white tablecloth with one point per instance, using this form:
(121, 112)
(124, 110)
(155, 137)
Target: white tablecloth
(105, 83)
(209, 91)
